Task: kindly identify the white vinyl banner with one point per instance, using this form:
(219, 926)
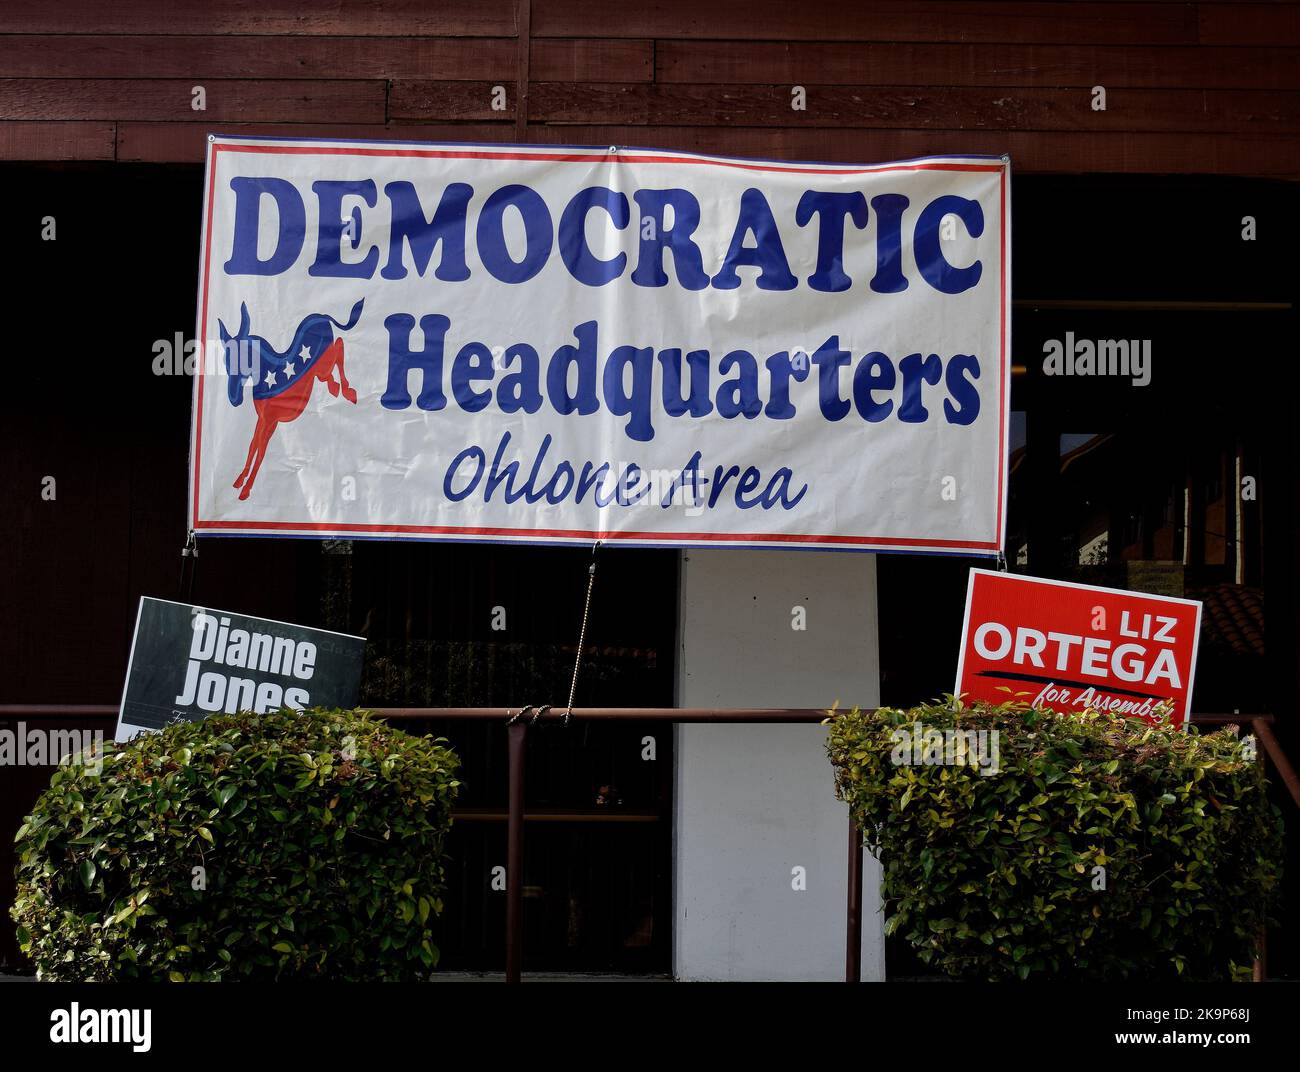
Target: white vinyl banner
(562, 345)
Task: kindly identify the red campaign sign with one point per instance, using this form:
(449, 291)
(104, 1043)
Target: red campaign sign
(1072, 646)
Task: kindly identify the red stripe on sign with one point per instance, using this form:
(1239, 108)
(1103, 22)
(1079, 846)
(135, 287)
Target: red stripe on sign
(1005, 359)
(614, 158)
(757, 537)
(203, 331)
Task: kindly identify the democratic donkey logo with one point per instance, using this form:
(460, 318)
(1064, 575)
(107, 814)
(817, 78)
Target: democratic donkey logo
(283, 381)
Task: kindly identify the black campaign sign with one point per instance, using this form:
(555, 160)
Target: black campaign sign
(188, 662)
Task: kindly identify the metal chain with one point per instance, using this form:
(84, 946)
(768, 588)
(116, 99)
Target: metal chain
(189, 564)
(582, 633)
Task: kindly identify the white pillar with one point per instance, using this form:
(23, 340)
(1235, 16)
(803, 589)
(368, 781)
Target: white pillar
(755, 802)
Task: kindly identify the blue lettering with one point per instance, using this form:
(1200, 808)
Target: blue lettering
(402, 359)
(875, 372)
(930, 261)
(329, 242)
(292, 226)
(962, 389)
(741, 394)
(832, 208)
(583, 265)
(472, 363)
(557, 373)
(915, 372)
(538, 234)
(447, 226)
(468, 452)
(637, 403)
(780, 369)
(889, 278)
(698, 405)
(767, 254)
(656, 237)
(829, 359)
(521, 390)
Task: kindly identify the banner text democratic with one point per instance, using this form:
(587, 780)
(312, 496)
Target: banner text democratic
(667, 222)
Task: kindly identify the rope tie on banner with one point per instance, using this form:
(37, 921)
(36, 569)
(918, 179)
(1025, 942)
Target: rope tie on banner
(189, 564)
(542, 709)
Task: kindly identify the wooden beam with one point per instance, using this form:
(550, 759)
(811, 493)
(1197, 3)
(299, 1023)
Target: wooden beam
(523, 75)
(1259, 155)
(56, 141)
(184, 143)
(867, 107)
(1248, 24)
(226, 101)
(368, 18)
(198, 56)
(902, 64)
(443, 58)
(879, 20)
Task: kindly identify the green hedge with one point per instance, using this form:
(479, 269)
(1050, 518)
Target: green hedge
(1102, 848)
(287, 845)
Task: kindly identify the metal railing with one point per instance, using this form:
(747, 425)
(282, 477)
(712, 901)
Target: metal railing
(516, 737)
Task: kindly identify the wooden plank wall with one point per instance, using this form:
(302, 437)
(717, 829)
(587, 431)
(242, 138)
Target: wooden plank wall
(1190, 87)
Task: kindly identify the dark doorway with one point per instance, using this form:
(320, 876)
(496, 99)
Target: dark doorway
(461, 625)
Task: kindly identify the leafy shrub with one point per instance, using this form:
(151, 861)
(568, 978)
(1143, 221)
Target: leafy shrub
(286, 845)
(995, 876)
